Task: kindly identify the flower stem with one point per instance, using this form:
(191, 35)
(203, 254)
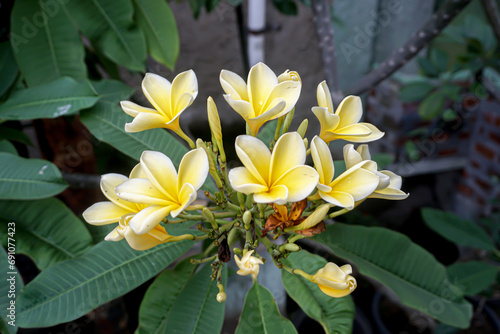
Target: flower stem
(338, 213)
(184, 136)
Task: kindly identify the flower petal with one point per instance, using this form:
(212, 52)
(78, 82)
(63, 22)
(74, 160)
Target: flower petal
(102, 213)
(389, 193)
(276, 110)
(146, 121)
(327, 120)
(351, 156)
(348, 131)
(261, 81)
(185, 82)
(395, 180)
(113, 235)
(349, 110)
(338, 198)
(184, 101)
(146, 241)
(288, 153)
(323, 161)
(141, 191)
(134, 109)
(324, 97)
(108, 184)
(157, 91)
(233, 85)
(255, 156)
(161, 172)
(187, 195)
(244, 182)
(193, 168)
(277, 194)
(300, 182)
(148, 218)
(138, 172)
(244, 108)
(356, 181)
(288, 91)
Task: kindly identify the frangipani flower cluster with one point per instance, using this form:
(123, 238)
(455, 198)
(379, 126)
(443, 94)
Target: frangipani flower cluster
(274, 191)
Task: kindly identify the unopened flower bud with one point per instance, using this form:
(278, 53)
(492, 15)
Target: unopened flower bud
(221, 297)
(303, 128)
(247, 217)
(289, 76)
(292, 247)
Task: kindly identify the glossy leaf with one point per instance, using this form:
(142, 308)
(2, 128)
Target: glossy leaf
(61, 97)
(8, 67)
(28, 178)
(14, 135)
(178, 302)
(157, 21)
(266, 134)
(415, 91)
(473, 276)
(456, 229)
(261, 315)
(7, 147)
(109, 26)
(112, 90)
(9, 289)
(336, 315)
(71, 288)
(46, 230)
(391, 258)
(45, 43)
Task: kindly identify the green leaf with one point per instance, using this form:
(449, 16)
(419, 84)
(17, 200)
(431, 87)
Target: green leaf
(266, 135)
(261, 315)
(334, 314)
(161, 296)
(8, 67)
(287, 7)
(8, 291)
(415, 91)
(63, 96)
(458, 230)
(427, 67)
(383, 159)
(157, 21)
(109, 26)
(106, 121)
(391, 258)
(178, 302)
(431, 106)
(473, 276)
(7, 147)
(46, 230)
(451, 91)
(112, 90)
(28, 178)
(46, 44)
(439, 58)
(71, 288)
(14, 135)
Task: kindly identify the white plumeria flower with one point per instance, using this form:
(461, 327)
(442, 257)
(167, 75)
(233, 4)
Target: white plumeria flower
(249, 265)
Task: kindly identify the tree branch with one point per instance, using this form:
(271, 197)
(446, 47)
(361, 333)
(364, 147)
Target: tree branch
(324, 31)
(491, 9)
(417, 42)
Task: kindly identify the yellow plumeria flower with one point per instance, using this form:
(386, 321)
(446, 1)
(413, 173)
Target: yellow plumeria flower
(344, 122)
(249, 265)
(355, 184)
(276, 177)
(118, 210)
(262, 97)
(168, 99)
(165, 191)
(335, 281)
(389, 186)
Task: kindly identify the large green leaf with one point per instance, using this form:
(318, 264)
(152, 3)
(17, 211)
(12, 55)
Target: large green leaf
(415, 91)
(7, 147)
(157, 21)
(63, 96)
(71, 288)
(266, 134)
(28, 178)
(410, 271)
(8, 67)
(334, 314)
(261, 315)
(106, 121)
(14, 135)
(112, 90)
(473, 276)
(458, 230)
(45, 42)
(109, 25)
(431, 106)
(9, 289)
(178, 302)
(46, 230)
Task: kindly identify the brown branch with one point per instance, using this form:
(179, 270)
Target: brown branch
(491, 10)
(325, 33)
(417, 42)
